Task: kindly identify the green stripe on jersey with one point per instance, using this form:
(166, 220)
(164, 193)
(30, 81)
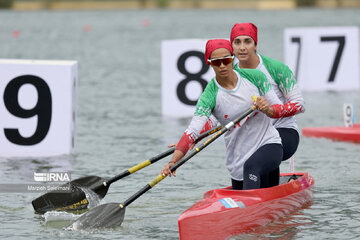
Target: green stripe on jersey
(256, 77)
(207, 100)
(281, 74)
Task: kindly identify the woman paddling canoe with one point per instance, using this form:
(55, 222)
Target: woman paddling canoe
(244, 40)
(253, 147)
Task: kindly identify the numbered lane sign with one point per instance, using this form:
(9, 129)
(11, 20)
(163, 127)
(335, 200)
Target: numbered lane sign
(185, 75)
(324, 58)
(37, 107)
(348, 114)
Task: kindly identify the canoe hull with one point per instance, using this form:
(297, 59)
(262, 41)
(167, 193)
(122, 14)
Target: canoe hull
(225, 212)
(347, 134)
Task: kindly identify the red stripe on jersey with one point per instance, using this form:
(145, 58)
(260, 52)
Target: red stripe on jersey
(208, 125)
(286, 110)
(185, 143)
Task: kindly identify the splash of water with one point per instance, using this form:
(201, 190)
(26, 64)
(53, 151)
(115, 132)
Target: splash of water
(92, 197)
(61, 218)
(52, 216)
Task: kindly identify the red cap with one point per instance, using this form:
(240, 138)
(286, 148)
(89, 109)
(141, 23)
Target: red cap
(247, 29)
(214, 44)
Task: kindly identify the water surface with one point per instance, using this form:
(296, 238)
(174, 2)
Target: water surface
(119, 122)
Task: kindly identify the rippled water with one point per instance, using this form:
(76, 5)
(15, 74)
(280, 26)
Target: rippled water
(119, 123)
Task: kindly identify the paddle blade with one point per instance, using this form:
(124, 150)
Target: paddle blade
(72, 200)
(109, 215)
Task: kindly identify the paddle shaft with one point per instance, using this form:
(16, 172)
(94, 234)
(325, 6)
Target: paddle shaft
(156, 158)
(195, 151)
(76, 199)
(140, 166)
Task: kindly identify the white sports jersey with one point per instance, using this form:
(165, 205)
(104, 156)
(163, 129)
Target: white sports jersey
(226, 105)
(284, 85)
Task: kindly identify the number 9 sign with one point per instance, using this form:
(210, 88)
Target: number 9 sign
(185, 75)
(348, 114)
(37, 107)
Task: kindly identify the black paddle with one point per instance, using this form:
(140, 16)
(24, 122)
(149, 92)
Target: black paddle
(75, 199)
(111, 215)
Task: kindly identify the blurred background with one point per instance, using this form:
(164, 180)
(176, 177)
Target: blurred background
(205, 4)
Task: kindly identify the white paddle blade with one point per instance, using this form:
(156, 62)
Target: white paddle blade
(109, 215)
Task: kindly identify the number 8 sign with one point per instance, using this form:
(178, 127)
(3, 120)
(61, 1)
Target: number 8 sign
(185, 75)
(38, 107)
(325, 58)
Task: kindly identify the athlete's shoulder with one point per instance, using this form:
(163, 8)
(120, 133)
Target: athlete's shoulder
(257, 78)
(273, 64)
(250, 73)
(281, 74)
(207, 100)
(210, 92)
(211, 87)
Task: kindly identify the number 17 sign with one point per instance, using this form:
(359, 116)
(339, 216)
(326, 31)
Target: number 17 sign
(324, 58)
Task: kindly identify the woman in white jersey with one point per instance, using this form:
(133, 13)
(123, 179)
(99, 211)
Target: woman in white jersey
(244, 42)
(253, 147)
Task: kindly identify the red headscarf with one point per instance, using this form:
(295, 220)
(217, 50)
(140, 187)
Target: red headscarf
(214, 44)
(247, 29)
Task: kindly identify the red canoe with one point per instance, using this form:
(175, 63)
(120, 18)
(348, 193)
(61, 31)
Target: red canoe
(348, 134)
(225, 212)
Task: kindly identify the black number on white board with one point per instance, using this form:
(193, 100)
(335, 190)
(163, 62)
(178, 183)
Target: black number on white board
(348, 114)
(348, 111)
(42, 109)
(190, 76)
(298, 41)
(341, 41)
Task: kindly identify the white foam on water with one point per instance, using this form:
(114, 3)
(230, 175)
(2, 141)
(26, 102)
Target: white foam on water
(74, 227)
(60, 218)
(92, 197)
(55, 216)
